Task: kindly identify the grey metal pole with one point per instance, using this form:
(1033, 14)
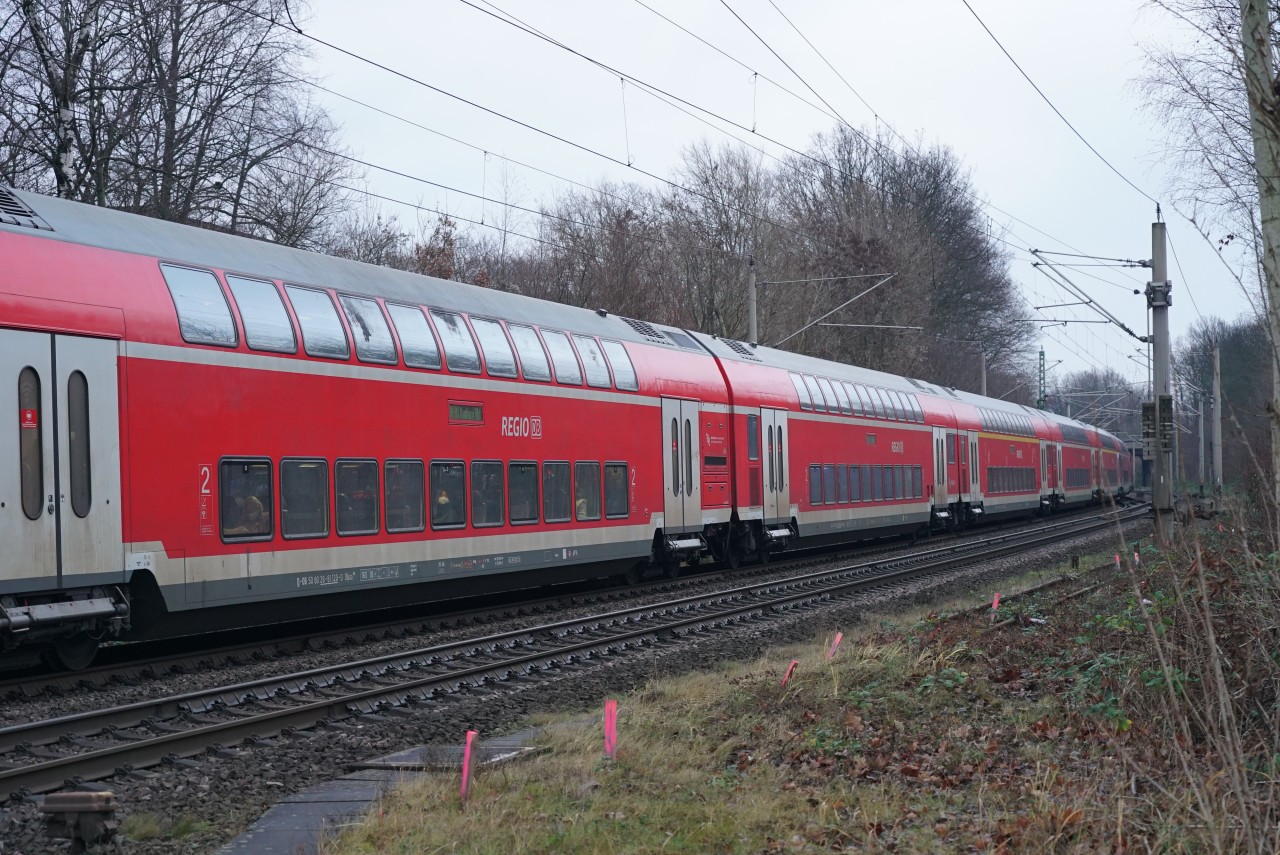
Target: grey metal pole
(753, 331)
(1158, 300)
(983, 354)
(1217, 420)
(1200, 434)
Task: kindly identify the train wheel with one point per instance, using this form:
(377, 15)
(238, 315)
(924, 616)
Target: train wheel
(632, 576)
(671, 568)
(74, 652)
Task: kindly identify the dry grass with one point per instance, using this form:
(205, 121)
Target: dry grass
(1069, 730)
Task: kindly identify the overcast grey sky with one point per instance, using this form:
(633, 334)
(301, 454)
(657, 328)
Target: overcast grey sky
(928, 70)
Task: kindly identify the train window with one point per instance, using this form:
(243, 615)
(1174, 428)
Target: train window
(815, 484)
(402, 484)
(266, 323)
(753, 437)
(624, 374)
(829, 395)
(888, 482)
(866, 482)
(915, 402)
(522, 492)
(593, 362)
(675, 457)
(842, 483)
(533, 359)
(854, 404)
(781, 462)
(815, 393)
(203, 314)
(322, 333)
(416, 341)
(562, 358)
(499, 361)
(802, 392)
(877, 402)
(486, 493)
(900, 482)
(459, 347)
(355, 484)
(917, 482)
(448, 491)
(78, 443)
(773, 487)
(586, 491)
(855, 483)
(842, 398)
(900, 406)
(30, 443)
(616, 496)
(556, 494)
(244, 499)
(864, 395)
(951, 448)
(369, 329)
(829, 483)
(877, 482)
(304, 498)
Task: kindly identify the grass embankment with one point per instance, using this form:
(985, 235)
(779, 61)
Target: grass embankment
(1064, 730)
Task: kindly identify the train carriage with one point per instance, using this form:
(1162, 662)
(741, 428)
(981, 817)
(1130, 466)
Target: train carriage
(207, 431)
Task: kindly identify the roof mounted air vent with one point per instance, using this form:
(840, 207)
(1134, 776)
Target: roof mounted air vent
(14, 212)
(649, 331)
(741, 349)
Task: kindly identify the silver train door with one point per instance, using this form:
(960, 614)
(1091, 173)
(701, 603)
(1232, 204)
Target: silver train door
(682, 504)
(59, 461)
(777, 489)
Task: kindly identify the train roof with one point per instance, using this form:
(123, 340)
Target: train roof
(75, 222)
(28, 213)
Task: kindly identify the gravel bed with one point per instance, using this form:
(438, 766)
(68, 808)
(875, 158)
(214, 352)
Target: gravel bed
(222, 796)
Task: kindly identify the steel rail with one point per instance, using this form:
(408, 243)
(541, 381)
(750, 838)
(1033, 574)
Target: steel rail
(763, 600)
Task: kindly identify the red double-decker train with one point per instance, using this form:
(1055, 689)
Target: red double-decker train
(206, 431)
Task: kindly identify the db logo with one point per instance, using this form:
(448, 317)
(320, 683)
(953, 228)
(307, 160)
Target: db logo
(535, 427)
(29, 419)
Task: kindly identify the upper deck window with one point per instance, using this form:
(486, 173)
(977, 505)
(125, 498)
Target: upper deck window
(563, 358)
(459, 347)
(369, 329)
(593, 361)
(499, 361)
(624, 375)
(266, 324)
(802, 392)
(533, 359)
(322, 333)
(829, 395)
(815, 393)
(841, 397)
(203, 314)
(416, 340)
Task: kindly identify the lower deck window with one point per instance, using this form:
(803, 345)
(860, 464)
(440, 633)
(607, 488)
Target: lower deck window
(404, 498)
(556, 492)
(522, 493)
(356, 496)
(586, 491)
(304, 498)
(486, 493)
(244, 499)
(616, 497)
(448, 492)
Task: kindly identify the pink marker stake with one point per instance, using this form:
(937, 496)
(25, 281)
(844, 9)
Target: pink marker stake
(834, 645)
(1117, 559)
(466, 765)
(1137, 561)
(790, 668)
(610, 729)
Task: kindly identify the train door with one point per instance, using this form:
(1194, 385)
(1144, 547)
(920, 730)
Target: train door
(966, 455)
(59, 459)
(943, 447)
(975, 483)
(776, 492)
(682, 506)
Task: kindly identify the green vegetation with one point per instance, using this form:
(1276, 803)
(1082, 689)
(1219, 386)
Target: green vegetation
(1091, 722)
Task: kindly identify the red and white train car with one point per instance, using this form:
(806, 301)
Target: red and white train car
(209, 431)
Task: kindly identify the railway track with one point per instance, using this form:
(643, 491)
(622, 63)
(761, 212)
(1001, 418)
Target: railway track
(137, 663)
(47, 755)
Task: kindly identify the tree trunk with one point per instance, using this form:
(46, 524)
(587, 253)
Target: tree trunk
(1264, 104)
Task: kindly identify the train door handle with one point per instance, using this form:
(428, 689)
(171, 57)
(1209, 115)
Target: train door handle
(50, 503)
